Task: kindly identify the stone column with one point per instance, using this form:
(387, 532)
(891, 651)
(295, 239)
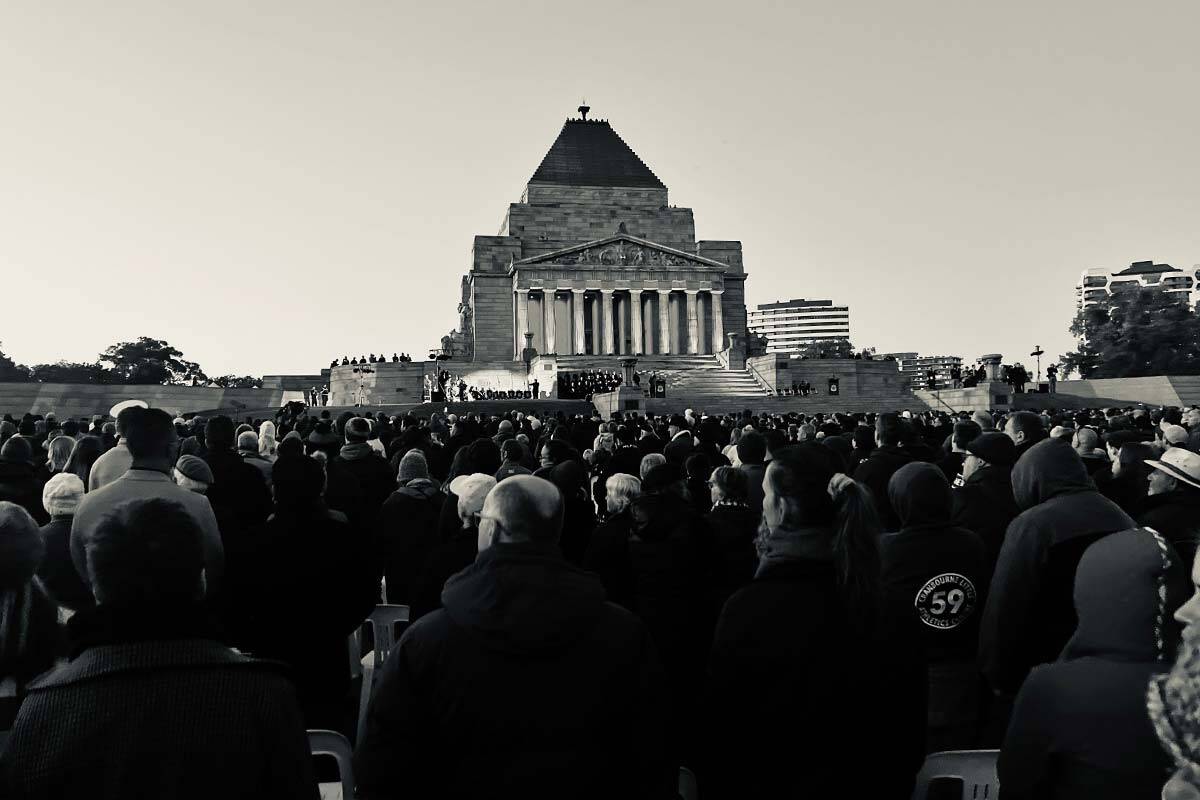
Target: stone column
(693, 331)
(718, 331)
(548, 320)
(664, 320)
(577, 313)
(522, 318)
(701, 328)
(619, 301)
(597, 336)
(606, 311)
(635, 320)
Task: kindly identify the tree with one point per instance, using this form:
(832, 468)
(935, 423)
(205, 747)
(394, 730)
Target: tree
(235, 382)
(828, 348)
(1134, 334)
(10, 371)
(150, 361)
(70, 372)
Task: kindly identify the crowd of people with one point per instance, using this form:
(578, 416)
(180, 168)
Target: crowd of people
(397, 358)
(583, 384)
(789, 605)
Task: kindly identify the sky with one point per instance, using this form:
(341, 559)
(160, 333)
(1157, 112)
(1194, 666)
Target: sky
(269, 185)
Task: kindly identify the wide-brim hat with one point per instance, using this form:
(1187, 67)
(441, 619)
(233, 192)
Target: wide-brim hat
(1180, 464)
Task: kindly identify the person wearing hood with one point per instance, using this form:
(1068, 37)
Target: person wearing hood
(881, 465)
(18, 482)
(984, 502)
(360, 479)
(935, 576)
(1029, 617)
(408, 524)
(455, 552)
(1079, 729)
(525, 684)
(803, 647)
(311, 559)
(1173, 504)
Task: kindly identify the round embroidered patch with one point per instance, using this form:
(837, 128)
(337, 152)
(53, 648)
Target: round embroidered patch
(945, 601)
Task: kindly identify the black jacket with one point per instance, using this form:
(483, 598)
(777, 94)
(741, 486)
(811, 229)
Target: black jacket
(526, 684)
(1080, 730)
(447, 558)
(734, 529)
(19, 485)
(1177, 517)
(1029, 615)
(360, 480)
(875, 473)
(934, 574)
(239, 495)
(406, 533)
(985, 504)
(792, 679)
(301, 584)
(57, 571)
(608, 556)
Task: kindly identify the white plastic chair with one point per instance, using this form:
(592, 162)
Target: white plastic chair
(687, 785)
(383, 621)
(975, 768)
(332, 743)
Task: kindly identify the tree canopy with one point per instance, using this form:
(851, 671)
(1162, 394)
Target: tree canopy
(828, 348)
(150, 361)
(1134, 334)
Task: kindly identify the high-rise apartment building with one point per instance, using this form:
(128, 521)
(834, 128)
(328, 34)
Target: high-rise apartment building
(789, 325)
(1096, 285)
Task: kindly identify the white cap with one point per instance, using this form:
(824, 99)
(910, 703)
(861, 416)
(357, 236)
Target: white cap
(471, 491)
(124, 404)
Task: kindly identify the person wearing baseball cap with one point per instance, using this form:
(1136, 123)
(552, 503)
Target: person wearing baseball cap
(457, 552)
(984, 502)
(1173, 505)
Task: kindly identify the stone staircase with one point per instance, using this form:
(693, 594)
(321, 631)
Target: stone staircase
(686, 375)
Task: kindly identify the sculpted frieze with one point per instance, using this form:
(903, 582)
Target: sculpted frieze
(622, 254)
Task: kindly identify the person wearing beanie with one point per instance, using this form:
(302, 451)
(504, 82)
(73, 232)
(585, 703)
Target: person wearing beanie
(408, 525)
(1079, 728)
(984, 502)
(248, 448)
(193, 473)
(239, 494)
(455, 552)
(18, 479)
(309, 556)
(61, 498)
(360, 479)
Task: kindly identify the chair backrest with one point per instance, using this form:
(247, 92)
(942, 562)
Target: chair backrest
(332, 743)
(975, 768)
(687, 785)
(354, 647)
(364, 697)
(384, 620)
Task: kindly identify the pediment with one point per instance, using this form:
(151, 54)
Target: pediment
(621, 250)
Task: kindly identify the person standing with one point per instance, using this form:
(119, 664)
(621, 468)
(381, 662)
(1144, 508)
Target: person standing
(1052, 377)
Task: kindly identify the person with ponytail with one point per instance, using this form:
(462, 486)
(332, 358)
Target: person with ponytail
(804, 678)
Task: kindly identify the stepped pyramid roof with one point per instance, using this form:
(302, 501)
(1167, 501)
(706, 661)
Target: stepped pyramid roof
(588, 152)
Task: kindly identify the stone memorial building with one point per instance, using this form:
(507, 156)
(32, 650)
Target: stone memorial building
(595, 260)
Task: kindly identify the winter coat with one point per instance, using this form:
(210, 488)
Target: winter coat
(1176, 515)
(141, 715)
(1029, 616)
(793, 679)
(754, 484)
(734, 528)
(1128, 490)
(19, 485)
(526, 684)
(985, 504)
(364, 480)
(875, 473)
(1080, 730)
(57, 571)
(608, 556)
(934, 574)
(239, 494)
(406, 533)
(447, 558)
(295, 589)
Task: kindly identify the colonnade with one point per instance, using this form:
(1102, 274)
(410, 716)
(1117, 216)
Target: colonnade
(623, 321)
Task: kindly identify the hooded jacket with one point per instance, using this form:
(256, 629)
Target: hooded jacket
(985, 504)
(933, 573)
(525, 684)
(1176, 515)
(875, 472)
(1080, 728)
(19, 485)
(359, 471)
(406, 534)
(1029, 615)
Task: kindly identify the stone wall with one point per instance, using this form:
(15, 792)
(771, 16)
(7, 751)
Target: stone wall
(388, 383)
(875, 380)
(78, 400)
(492, 317)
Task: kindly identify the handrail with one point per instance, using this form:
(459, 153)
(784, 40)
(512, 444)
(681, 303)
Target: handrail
(758, 376)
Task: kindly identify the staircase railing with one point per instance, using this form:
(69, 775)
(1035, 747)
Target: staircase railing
(762, 382)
